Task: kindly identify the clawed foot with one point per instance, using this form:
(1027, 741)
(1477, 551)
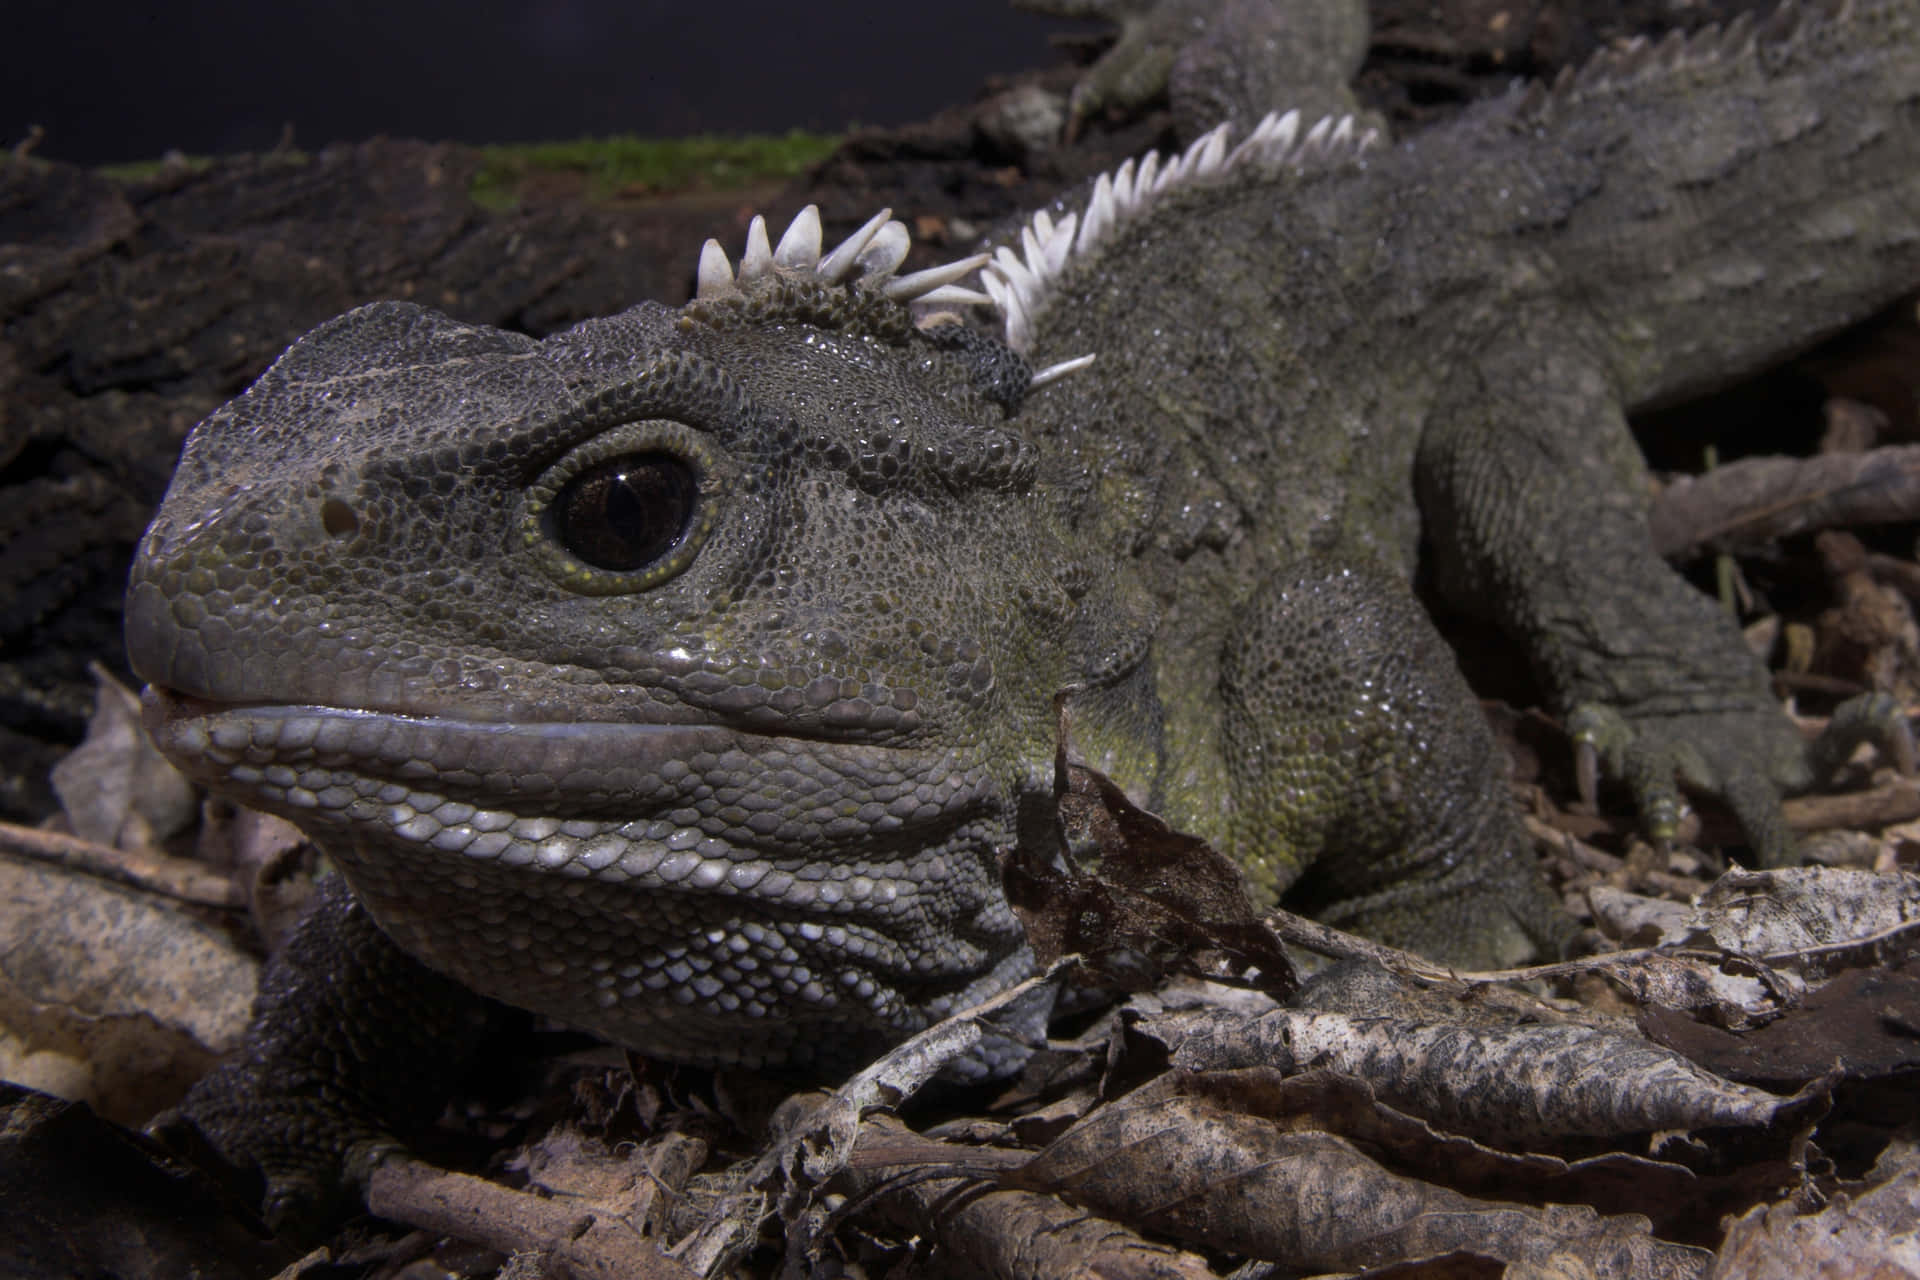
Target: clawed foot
(1130, 75)
(1219, 60)
(1748, 759)
(302, 1173)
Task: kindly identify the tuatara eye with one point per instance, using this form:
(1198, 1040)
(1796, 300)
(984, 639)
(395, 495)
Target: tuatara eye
(627, 512)
(626, 509)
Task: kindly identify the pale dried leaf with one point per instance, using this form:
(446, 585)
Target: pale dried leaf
(1791, 912)
(111, 995)
(1671, 1195)
(1728, 991)
(269, 858)
(1636, 920)
(1525, 1084)
(1234, 1183)
(1362, 988)
(1874, 1235)
(115, 788)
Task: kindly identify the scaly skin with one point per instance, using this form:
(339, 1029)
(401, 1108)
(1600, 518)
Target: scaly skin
(730, 788)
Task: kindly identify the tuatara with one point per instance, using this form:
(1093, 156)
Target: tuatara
(683, 676)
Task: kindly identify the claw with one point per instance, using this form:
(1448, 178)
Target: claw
(1599, 734)
(1586, 773)
(1902, 749)
(1871, 717)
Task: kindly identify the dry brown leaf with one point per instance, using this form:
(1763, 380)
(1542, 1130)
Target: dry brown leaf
(1157, 896)
(631, 1183)
(1006, 1234)
(1864, 1024)
(86, 1198)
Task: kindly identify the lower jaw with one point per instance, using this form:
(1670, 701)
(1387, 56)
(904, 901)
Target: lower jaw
(701, 976)
(643, 930)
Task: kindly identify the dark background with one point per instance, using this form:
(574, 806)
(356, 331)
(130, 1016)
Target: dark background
(112, 81)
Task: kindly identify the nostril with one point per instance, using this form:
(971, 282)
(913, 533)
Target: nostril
(338, 519)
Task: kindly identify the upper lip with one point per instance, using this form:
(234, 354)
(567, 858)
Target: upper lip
(488, 758)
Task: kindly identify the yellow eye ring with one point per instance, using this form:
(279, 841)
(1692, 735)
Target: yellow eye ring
(626, 510)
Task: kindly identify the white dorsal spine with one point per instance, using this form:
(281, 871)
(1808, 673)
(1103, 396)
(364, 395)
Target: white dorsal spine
(1017, 285)
(1020, 283)
(869, 256)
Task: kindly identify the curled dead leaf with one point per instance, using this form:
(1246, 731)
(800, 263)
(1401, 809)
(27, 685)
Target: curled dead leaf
(1234, 1182)
(1497, 1084)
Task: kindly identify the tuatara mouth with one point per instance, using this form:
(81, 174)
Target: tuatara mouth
(613, 875)
(566, 762)
(666, 805)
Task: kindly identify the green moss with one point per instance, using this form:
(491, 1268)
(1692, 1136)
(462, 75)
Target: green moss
(629, 165)
(141, 170)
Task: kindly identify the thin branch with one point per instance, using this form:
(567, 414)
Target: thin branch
(142, 869)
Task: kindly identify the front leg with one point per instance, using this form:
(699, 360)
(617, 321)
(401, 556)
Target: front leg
(1535, 497)
(1366, 781)
(354, 1045)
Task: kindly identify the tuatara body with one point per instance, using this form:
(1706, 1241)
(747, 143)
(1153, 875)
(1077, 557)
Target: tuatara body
(684, 676)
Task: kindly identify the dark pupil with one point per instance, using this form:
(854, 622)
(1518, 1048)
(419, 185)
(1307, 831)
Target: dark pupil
(628, 511)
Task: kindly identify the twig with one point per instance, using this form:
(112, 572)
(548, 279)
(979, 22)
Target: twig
(1896, 801)
(1902, 575)
(1756, 500)
(1325, 940)
(817, 1145)
(153, 872)
(1583, 855)
(586, 1240)
(24, 148)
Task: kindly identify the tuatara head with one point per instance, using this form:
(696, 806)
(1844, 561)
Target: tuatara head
(678, 676)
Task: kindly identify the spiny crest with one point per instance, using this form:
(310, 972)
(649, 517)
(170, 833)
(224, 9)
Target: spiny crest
(869, 257)
(1020, 283)
(1711, 46)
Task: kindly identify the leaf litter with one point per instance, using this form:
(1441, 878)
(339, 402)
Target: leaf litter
(1382, 1114)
